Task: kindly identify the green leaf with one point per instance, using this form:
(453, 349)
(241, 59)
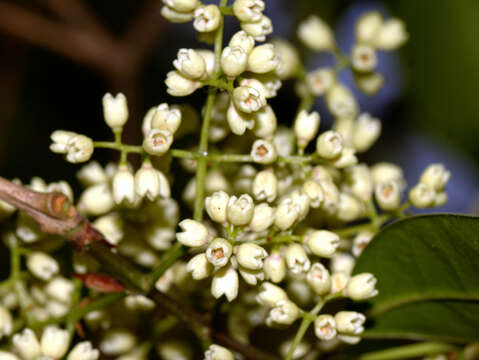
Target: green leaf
(428, 279)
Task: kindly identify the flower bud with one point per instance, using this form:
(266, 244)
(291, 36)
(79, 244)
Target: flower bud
(240, 210)
(117, 342)
(234, 61)
(243, 40)
(175, 16)
(27, 345)
(60, 289)
(194, 234)
(348, 158)
(251, 277)
(258, 30)
(361, 287)
(384, 172)
(339, 281)
(179, 85)
(115, 110)
(60, 140)
(329, 144)
(263, 218)
(184, 6)
(123, 186)
(164, 118)
(190, 64)
(6, 322)
(263, 152)
(361, 240)
(325, 327)
(368, 26)
(306, 127)
(219, 252)
(364, 58)
(157, 142)
(342, 262)
(225, 282)
(349, 208)
(238, 121)
(216, 352)
(440, 199)
(388, 195)
(209, 57)
(216, 206)
(147, 182)
(322, 242)
(341, 102)
(262, 59)
(359, 181)
(92, 173)
(286, 214)
(284, 312)
(314, 192)
(248, 10)
(83, 351)
(366, 131)
(296, 259)
(42, 265)
(350, 322)
(316, 34)
(265, 122)
(265, 185)
(270, 294)
(207, 18)
(422, 195)
(275, 267)
(54, 342)
(319, 279)
(369, 83)
(248, 99)
(257, 85)
(96, 200)
(289, 58)
(79, 148)
(348, 339)
(250, 256)
(436, 176)
(199, 267)
(319, 81)
(391, 35)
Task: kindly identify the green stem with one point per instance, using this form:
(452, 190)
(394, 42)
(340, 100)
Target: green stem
(167, 259)
(79, 313)
(409, 351)
(119, 146)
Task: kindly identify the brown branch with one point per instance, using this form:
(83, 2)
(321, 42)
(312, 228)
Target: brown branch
(57, 216)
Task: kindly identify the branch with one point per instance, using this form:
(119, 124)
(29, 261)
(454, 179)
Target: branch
(57, 216)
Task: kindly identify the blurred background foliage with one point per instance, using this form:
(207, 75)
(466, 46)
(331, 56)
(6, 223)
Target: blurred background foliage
(429, 106)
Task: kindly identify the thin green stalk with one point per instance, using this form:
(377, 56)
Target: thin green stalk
(167, 259)
(409, 351)
(97, 304)
(119, 147)
(70, 324)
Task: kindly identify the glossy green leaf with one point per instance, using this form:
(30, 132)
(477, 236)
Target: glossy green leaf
(428, 279)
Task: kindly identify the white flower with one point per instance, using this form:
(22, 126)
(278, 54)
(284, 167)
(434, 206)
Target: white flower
(250, 256)
(265, 185)
(219, 252)
(60, 289)
(225, 282)
(384, 172)
(234, 60)
(179, 85)
(350, 322)
(316, 34)
(275, 267)
(54, 342)
(263, 218)
(341, 102)
(265, 122)
(361, 240)
(289, 58)
(361, 287)
(329, 144)
(325, 327)
(117, 342)
(258, 30)
(349, 339)
(359, 181)
(42, 265)
(369, 83)
(364, 58)
(436, 176)
(147, 183)
(319, 279)
(248, 99)
(123, 186)
(339, 281)
(184, 6)
(366, 131)
(286, 214)
(296, 259)
(194, 233)
(190, 64)
(342, 262)
(6, 322)
(162, 117)
(284, 312)
(238, 121)
(319, 81)
(263, 59)
(349, 207)
(60, 140)
(83, 351)
(248, 10)
(263, 152)
(314, 192)
(243, 40)
(27, 345)
(96, 200)
(251, 277)
(207, 18)
(368, 26)
(209, 57)
(388, 195)
(322, 242)
(216, 206)
(115, 110)
(270, 294)
(92, 173)
(306, 127)
(422, 195)
(240, 210)
(199, 267)
(216, 352)
(175, 16)
(157, 142)
(79, 148)
(391, 35)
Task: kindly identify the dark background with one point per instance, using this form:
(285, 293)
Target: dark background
(53, 75)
